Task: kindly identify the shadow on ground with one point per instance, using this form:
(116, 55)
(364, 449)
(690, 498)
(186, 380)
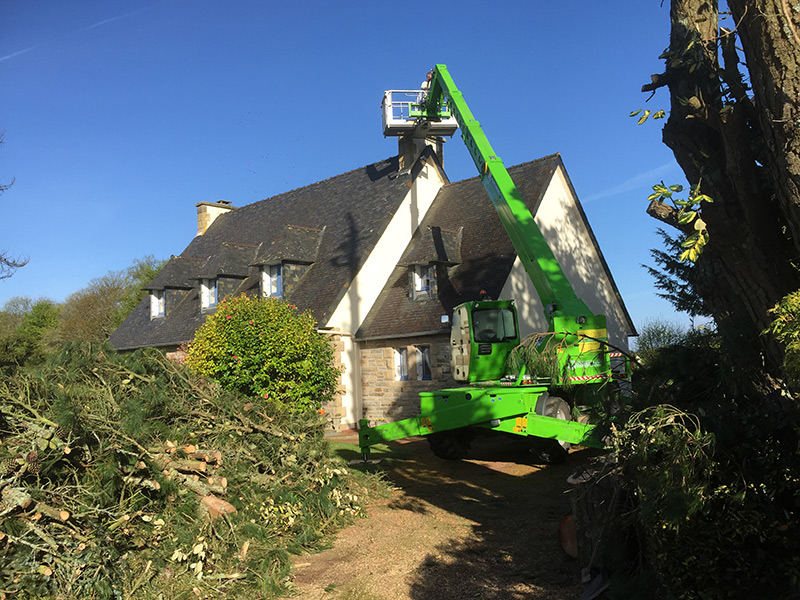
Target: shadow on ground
(512, 509)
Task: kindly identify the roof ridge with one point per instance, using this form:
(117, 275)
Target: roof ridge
(555, 155)
(549, 157)
(321, 181)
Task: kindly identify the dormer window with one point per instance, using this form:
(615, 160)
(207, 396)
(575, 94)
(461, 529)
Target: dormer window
(209, 293)
(157, 307)
(422, 281)
(272, 281)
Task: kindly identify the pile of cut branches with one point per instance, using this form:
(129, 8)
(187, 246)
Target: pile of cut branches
(124, 476)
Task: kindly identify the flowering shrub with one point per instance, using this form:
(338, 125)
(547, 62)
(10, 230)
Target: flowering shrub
(265, 348)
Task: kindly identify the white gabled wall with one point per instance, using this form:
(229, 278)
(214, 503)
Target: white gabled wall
(561, 224)
(351, 381)
(370, 280)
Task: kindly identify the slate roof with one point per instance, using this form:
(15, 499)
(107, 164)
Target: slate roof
(434, 245)
(177, 273)
(294, 244)
(463, 213)
(333, 224)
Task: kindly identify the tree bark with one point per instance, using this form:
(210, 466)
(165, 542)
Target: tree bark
(733, 148)
(769, 31)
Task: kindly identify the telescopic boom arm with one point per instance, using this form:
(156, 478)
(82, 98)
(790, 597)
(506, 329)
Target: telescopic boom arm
(557, 296)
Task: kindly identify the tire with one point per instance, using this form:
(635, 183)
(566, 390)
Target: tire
(450, 445)
(549, 451)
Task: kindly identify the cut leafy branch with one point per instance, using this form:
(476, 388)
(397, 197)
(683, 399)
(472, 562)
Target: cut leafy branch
(682, 214)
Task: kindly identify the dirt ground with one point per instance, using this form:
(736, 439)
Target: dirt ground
(482, 528)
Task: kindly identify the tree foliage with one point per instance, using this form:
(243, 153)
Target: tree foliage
(656, 335)
(786, 327)
(93, 313)
(111, 462)
(88, 314)
(30, 330)
(18, 305)
(707, 472)
(12, 313)
(714, 490)
(31, 339)
(675, 277)
(139, 274)
(686, 213)
(709, 457)
(263, 347)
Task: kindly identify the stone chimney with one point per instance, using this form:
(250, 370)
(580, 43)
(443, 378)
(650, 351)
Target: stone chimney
(207, 212)
(411, 146)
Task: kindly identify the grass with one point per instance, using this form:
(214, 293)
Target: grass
(387, 454)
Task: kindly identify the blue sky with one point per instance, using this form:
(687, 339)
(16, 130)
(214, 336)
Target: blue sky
(120, 116)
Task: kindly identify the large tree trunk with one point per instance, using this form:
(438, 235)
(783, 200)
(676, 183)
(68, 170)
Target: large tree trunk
(770, 34)
(732, 146)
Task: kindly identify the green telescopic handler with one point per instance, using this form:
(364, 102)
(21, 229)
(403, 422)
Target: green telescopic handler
(495, 396)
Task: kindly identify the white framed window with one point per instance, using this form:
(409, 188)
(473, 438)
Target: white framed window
(424, 362)
(401, 364)
(157, 304)
(209, 293)
(272, 281)
(422, 278)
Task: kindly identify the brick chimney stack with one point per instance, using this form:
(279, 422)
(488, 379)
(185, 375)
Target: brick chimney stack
(207, 212)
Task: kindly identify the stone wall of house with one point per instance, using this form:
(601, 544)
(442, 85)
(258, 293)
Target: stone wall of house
(291, 275)
(227, 286)
(178, 354)
(384, 397)
(172, 297)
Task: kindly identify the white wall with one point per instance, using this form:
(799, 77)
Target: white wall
(351, 379)
(561, 224)
(371, 279)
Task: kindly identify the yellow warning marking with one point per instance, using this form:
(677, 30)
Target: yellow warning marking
(590, 345)
(594, 333)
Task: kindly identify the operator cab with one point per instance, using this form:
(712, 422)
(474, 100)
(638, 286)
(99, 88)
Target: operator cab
(483, 334)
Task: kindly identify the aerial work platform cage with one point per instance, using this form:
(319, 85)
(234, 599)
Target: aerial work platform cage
(402, 110)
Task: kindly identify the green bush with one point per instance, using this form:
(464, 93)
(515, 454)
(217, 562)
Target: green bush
(657, 334)
(786, 327)
(28, 342)
(710, 470)
(717, 499)
(262, 347)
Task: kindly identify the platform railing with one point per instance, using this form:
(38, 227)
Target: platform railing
(401, 110)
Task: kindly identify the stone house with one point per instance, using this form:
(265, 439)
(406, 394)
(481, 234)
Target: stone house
(380, 256)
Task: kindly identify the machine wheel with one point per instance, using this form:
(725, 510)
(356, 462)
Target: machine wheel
(553, 451)
(452, 444)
